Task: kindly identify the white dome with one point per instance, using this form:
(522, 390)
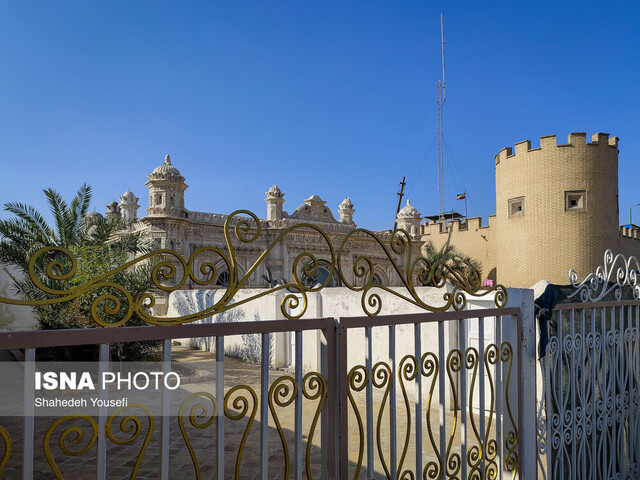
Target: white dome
(93, 215)
(409, 211)
(274, 191)
(166, 168)
(128, 198)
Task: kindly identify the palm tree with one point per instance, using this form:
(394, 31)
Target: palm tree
(461, 270)
(99, 246)
(28, 232)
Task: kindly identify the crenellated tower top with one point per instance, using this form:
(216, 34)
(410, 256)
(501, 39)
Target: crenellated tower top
(575, 139)
(556, 207)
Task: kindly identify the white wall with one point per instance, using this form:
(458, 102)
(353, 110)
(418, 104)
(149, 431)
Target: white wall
(342, 302)
(13, 317)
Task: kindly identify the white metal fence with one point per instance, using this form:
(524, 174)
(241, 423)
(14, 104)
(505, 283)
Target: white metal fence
(458, 412)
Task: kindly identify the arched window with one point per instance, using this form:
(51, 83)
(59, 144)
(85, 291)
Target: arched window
(223, 279)
(321, 276)
(171, 201)
(376, 279)
(158, 199)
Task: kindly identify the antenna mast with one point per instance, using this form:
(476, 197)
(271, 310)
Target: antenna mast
(440, 102)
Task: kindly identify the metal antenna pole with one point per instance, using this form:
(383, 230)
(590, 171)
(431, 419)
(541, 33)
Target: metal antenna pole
(466, 218)
(400, 195)
(440, 101)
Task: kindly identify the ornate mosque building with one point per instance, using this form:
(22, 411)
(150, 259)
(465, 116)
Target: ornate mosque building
(556, 209)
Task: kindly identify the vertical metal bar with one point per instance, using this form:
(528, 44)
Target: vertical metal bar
(462, 380)
(298, 406)
(613, 363)
(604, 391)
(573, 386)
(220, 399)
(549, 385)
(560, 380)
(29, 407)
(593, 360)
(393, 463)
(343, 404)
(636, 366)
(417, 333)
(369, 405)
(333, 395)
(324, 414)
(620, 446)
(264, 406)
(103, 366)
(500, 389)
(583, 398)
(442, 400)
(166, 413)
(628, 392)
(482, 405)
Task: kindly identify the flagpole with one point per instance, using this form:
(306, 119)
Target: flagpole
(465, 207)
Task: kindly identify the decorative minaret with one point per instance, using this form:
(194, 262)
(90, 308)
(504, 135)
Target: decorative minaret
(409, 219)
(166, 191)
(129, 206)
(275, 199)
(113, 210)
(345, 209)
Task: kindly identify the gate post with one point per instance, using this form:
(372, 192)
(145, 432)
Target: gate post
(526, 344)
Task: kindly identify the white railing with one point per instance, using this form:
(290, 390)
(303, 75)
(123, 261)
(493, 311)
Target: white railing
(436, 401)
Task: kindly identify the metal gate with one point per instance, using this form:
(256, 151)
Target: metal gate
(390, 396)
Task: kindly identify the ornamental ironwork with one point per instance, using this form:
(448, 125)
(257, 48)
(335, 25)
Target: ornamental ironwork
(51, 268)
(617, 272)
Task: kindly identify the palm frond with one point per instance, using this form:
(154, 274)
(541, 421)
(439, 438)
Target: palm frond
(31, 216)
(59, 209)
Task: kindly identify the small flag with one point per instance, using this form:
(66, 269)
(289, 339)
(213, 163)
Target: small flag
(461, 196)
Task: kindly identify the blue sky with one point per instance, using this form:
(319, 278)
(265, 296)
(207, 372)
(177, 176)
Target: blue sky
(332, 98)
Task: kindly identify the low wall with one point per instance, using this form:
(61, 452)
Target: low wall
(13, 317)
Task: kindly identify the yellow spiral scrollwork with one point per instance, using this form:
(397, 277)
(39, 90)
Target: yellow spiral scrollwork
(474, 453)
(314, 387)
(454, 365)
(132, 426)
(429, 368)
(408, 371)
(511, 439)
(241, 403)
(113, 305)
(381, 377)
(201, 416)
(72, 436)
(8, 446)
(418, 272)
(358, 379)
(490, 444)
(282, 393)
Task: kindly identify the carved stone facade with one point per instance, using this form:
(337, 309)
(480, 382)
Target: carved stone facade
(173, 226)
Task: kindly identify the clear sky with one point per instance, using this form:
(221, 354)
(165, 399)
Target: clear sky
(334, 98)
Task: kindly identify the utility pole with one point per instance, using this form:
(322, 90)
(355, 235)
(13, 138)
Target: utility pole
(400, 195)
(440, 101)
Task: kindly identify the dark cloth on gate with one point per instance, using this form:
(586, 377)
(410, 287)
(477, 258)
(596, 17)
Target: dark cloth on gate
(543, 308)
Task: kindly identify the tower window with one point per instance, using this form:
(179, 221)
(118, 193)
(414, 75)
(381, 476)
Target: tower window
(158, 199)
(575, 201)
(516, 207)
